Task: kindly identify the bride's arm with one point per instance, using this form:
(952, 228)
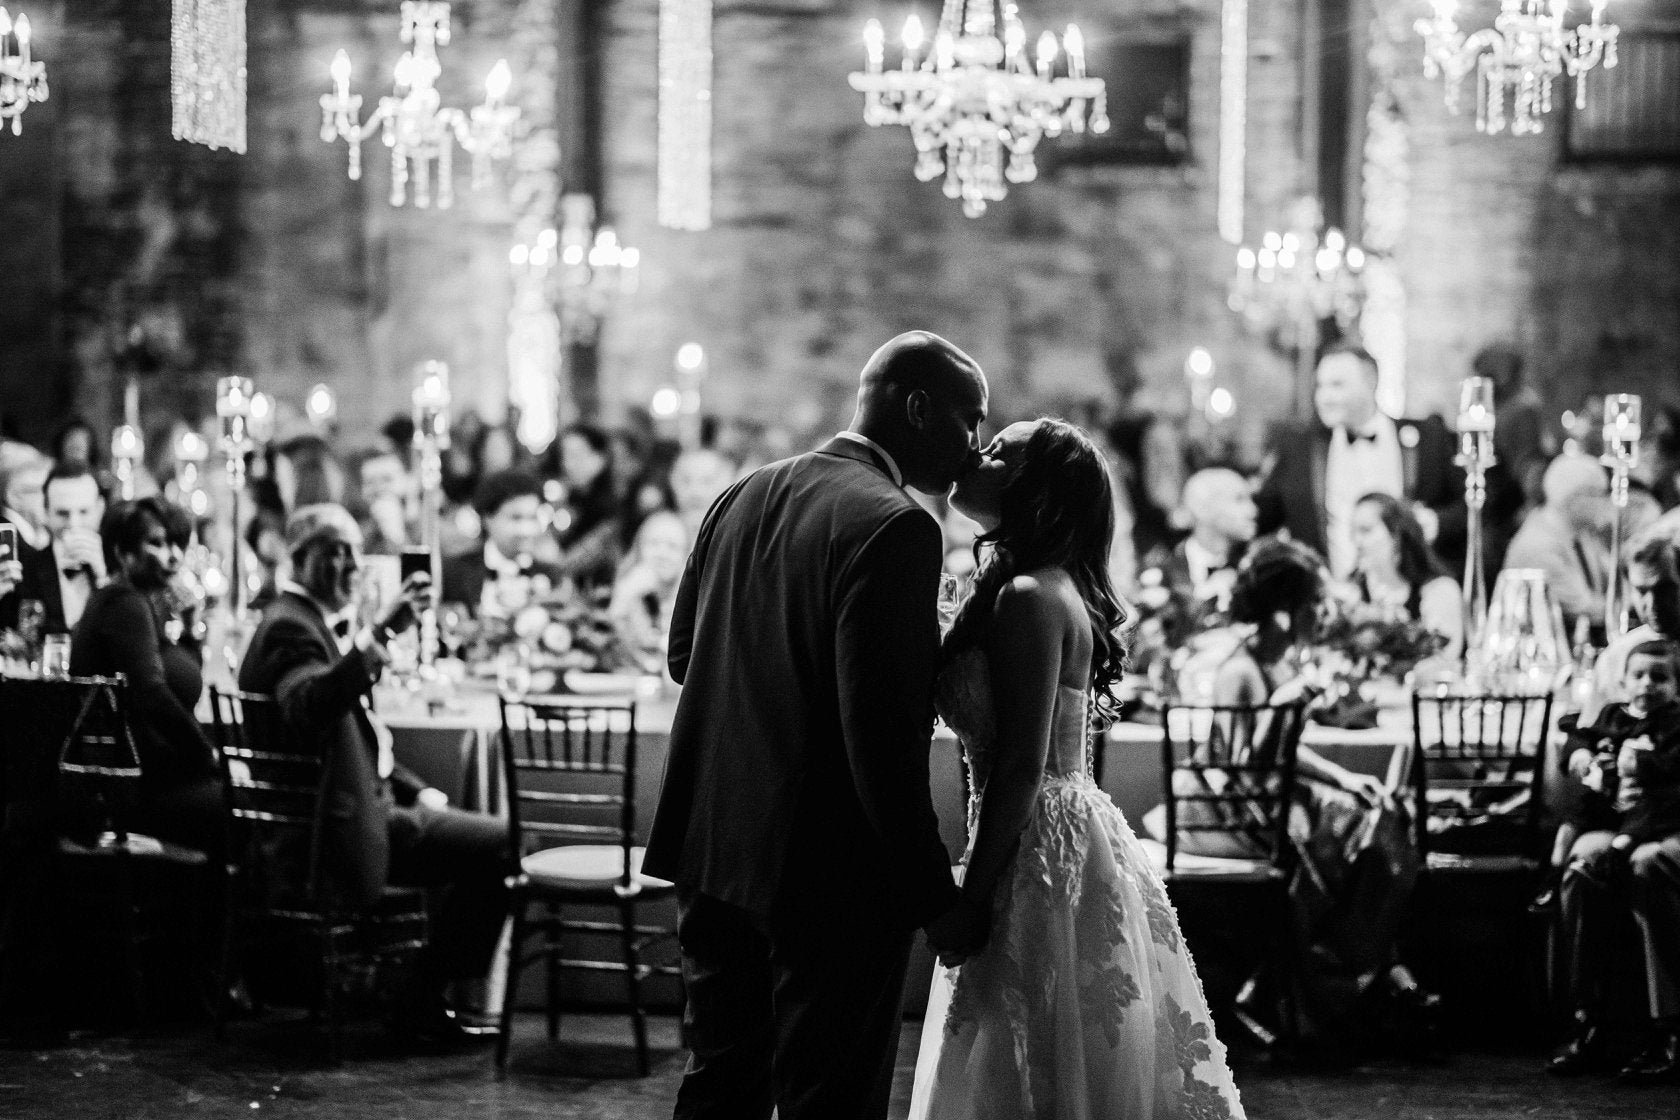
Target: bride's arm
(1024, 654)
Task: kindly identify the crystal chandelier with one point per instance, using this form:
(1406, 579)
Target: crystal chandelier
(22, 79)
(413, 123)
(975, 103)
(1296, 280)
(1519, 56)
(582, 265)
(207, 72)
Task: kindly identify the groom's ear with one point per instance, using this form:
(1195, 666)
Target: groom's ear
(916, 406)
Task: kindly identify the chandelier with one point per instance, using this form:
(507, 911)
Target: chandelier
(413, 123)
(1298, 279)
(22, 80)
(1519, 56)
(583, 267)
(975, 103)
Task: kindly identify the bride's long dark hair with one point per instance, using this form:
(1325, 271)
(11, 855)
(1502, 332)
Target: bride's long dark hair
(1055, 511)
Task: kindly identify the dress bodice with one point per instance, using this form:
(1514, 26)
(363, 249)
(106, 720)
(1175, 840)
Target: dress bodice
(964, 699)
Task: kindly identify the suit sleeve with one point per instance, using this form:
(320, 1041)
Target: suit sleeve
(886, 655)
(312, 686)
(681, 641)
(1269, 497)
(128, 631)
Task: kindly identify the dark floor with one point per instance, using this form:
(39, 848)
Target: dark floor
(268, 1069)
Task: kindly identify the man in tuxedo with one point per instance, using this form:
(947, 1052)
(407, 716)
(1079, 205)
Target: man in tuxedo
(63, 576)
(795, 815)
(1317, 475)
(383, 824)
(502, 574)
(1218, 504)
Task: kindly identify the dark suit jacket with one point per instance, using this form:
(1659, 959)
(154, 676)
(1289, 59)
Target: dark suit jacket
(40, 582)
(293, 657)
(464, 576)
(1292, 493)
(806, 640)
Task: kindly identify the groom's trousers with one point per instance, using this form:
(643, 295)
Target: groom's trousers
(800, 1014)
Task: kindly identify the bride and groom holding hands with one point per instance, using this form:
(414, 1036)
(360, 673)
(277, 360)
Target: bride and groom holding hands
(796, 816)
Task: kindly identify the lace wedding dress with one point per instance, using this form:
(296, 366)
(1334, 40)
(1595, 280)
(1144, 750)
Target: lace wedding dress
(1084, 1004)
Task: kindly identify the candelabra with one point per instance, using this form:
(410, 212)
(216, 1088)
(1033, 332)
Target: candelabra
(413, 123)
(1621, 455)
(1295, 283)
(583, 266)
(127, 448)
(431, 440)
(1476, 456)
(975, 104)
(1525, 50)
(233, 411)
(23, 80)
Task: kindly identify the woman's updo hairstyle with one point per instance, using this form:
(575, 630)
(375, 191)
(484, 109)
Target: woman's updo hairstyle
(1276, 575)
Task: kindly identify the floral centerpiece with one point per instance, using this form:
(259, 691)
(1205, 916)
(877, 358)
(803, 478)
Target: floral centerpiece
(563, 629)
(1363, 642)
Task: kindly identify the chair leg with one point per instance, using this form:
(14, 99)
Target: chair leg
(633, 984)
(510, 986)
(551, 957)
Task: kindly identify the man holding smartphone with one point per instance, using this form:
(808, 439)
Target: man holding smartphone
(383, 824)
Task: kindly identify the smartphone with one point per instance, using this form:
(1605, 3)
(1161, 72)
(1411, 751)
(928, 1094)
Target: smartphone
(8, 543)
(414, 560)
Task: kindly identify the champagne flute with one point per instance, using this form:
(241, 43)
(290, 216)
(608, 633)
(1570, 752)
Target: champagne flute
(950, 598)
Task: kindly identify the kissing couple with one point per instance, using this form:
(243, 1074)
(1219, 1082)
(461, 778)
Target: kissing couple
(796, 817)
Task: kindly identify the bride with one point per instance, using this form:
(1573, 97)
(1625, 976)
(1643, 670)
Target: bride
(1084, 1004)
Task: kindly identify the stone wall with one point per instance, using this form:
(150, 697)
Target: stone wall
(1092, 281)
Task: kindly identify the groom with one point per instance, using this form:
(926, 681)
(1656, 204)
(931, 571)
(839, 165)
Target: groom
(796, 817)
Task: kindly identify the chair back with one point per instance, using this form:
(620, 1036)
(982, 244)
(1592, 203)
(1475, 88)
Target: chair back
(1478, 759)
(1229, 775)
(71, 761)
(570, 769)
(274, 789)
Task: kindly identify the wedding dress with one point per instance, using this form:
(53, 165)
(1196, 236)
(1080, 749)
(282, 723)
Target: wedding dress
(1084, 1004)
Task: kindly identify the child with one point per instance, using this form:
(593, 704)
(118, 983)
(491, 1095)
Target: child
(1628, 762)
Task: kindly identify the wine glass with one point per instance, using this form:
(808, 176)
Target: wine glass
(454, 624)
(950, 598)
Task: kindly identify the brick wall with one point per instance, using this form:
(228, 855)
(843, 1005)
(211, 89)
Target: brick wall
(823, 243)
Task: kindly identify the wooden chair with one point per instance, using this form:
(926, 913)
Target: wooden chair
(1477, 774)
(71, 769)
(1229, 778)
(276, 789)
(570, 765)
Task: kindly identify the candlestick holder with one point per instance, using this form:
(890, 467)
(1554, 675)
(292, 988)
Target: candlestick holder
(1476, 456)
(431, 439)
(127, 448)
(233, 413)
(1621, 454)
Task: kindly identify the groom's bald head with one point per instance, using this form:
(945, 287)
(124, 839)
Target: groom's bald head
(923, 400)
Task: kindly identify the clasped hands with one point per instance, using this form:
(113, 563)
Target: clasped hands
(960, 932)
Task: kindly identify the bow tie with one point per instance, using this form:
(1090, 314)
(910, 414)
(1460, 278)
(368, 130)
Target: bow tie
(341, 628)
(508, 573)
(1354, 437)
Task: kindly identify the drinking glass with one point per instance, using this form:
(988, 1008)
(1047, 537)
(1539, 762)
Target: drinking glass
(950, 598)
(454, 621)
(55, 657)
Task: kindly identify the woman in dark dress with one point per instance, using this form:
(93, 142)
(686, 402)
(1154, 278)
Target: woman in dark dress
(124, 630)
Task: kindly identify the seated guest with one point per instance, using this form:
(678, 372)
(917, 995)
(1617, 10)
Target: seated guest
(698, 478)
(125, 630)
(64, 575)
(1318, 474)
(503, 574)
(588, 528)
(1631, 859)
(1357, 863)
(1394, 567)
(1219, 509)
(23, 476)
(383, 825)
(387, 491)
(646, 587)
(1564, 538)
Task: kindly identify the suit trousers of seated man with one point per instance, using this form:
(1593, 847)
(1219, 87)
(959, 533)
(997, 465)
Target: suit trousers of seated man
(1651, 890)
(460, 859)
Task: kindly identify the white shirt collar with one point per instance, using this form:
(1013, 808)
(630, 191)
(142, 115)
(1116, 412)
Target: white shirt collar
(330, 617)
(498, 561)
(892, 464)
